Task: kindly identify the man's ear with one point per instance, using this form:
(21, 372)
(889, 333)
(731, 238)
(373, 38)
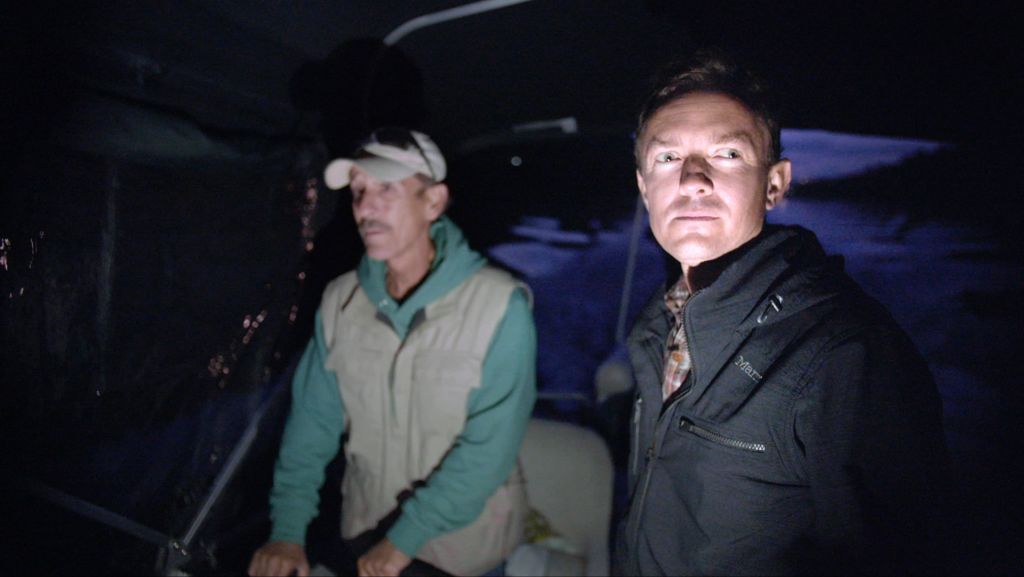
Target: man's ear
(643, 188)
(780, 175)
(437, 199)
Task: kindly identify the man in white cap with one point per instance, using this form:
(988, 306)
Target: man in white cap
(424, 356)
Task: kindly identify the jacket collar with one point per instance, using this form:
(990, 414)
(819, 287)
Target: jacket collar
(778, 273)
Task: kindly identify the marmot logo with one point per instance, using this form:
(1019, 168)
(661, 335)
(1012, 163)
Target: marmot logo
(748, 370)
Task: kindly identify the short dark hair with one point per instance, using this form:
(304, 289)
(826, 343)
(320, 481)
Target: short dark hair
(712, 71)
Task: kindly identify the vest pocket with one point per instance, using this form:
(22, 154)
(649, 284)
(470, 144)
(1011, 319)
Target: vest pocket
(442, 382)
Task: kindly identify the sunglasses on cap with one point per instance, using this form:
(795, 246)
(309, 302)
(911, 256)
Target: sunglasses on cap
(401, 138)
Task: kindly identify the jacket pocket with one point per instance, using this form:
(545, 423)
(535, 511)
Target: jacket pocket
(688, 426)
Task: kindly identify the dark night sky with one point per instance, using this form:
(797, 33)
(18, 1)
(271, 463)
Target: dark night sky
(946, 71)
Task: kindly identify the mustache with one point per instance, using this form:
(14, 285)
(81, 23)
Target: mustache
(368, 225)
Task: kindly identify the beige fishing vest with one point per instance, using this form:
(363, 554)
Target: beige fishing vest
(405, 404)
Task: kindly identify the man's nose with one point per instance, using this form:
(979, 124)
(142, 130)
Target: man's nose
(694, 178)
(364, 203)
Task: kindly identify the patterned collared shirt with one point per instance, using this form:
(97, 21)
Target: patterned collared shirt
(677, 355)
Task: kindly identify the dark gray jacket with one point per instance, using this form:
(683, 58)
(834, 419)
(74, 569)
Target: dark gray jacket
(807, 437)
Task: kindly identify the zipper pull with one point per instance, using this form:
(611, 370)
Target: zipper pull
(774, 303)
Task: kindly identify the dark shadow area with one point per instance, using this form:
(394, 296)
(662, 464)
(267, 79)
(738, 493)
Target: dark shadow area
(36, 76)
(585, 181)
(361, 85)
(139, 339)
(981, 398)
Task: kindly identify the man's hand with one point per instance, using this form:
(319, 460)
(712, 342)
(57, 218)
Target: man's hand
(383, 560)
(279, 559)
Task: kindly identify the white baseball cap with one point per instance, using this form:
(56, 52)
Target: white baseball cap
(390, 154)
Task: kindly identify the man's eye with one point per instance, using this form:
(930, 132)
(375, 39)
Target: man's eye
(662, 157)
(728, 153)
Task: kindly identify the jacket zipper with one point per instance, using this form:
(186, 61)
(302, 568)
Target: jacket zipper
(651, 451)
(714, 437)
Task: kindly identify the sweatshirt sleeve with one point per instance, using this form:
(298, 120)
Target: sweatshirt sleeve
(486, 450)
(311, 439)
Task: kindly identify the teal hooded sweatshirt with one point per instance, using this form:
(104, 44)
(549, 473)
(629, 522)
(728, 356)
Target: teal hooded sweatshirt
(484, 453)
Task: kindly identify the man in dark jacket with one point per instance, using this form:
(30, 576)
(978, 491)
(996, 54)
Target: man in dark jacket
(783, 423)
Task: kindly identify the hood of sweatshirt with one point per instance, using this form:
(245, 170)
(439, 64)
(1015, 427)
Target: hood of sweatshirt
(454, 262)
